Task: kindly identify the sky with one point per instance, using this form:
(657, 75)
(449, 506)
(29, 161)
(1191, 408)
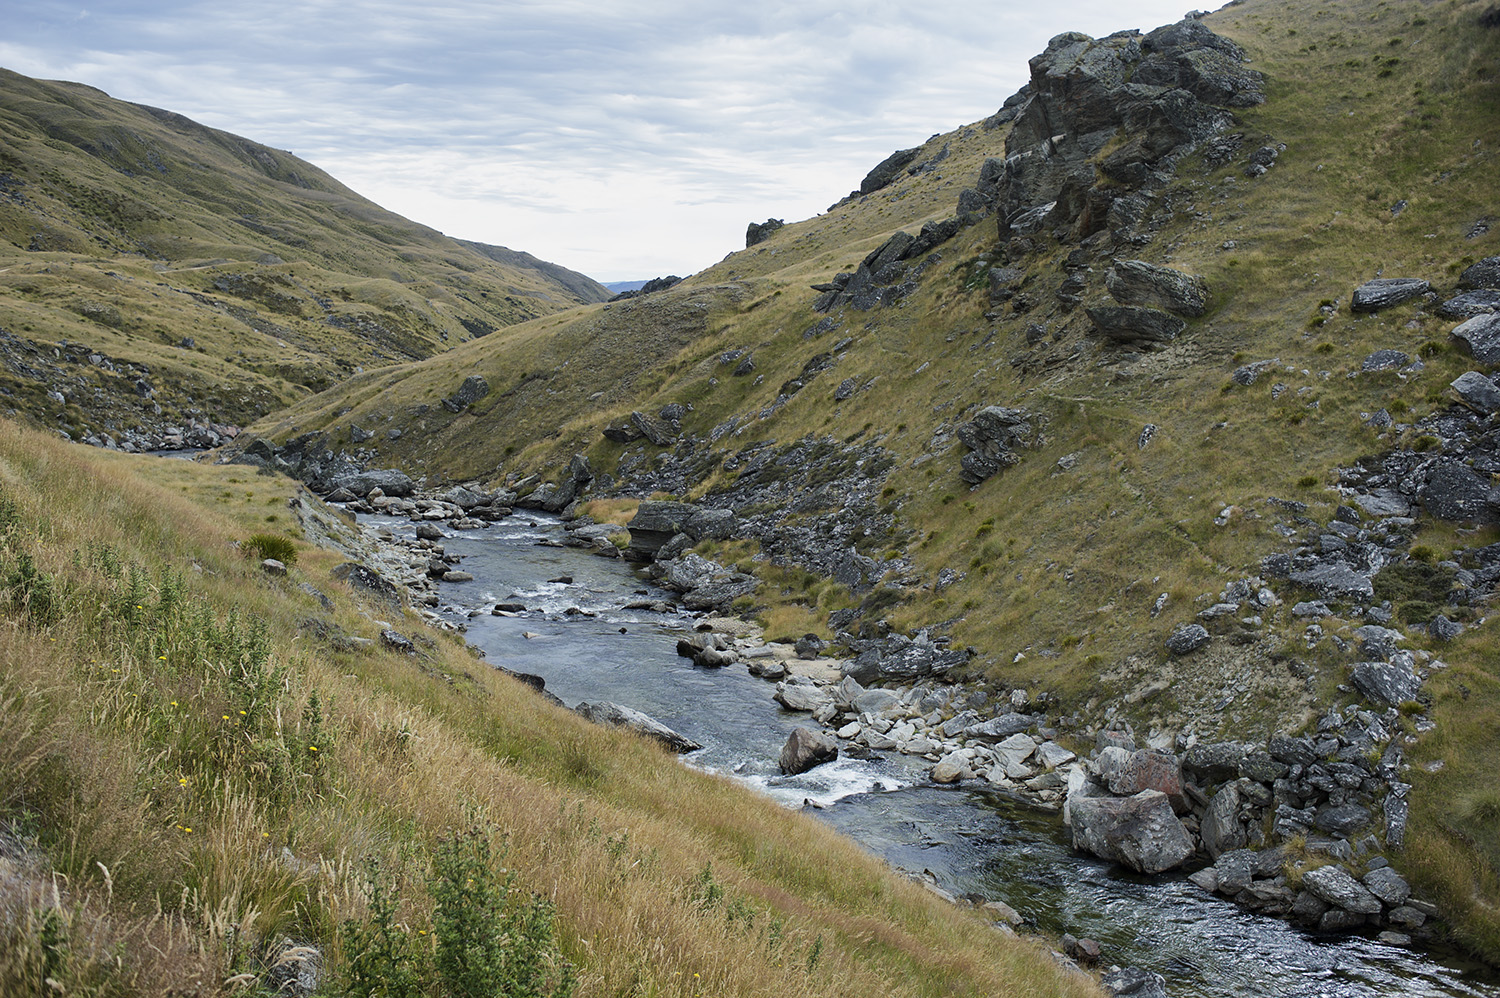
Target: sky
(623, 140)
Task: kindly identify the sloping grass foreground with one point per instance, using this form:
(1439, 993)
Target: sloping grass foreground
(195, 789)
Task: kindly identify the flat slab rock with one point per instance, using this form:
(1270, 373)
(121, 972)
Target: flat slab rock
(618, 716)
(1386, 292)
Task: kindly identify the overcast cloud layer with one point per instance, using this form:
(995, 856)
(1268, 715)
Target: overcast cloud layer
(623, 140)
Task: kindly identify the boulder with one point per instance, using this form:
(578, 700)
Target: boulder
(1135, 282)
(472, 390)
(1388, 885)
(993, 436)
(1343, 820)
(1484, 274)
(802, 693)
(1215, 761)
(1455, 491)
(1139, 832)
(389, 481)
(1334, 580)
(1134, 324)
(655, 429)
(806, 748)
(1051, 755)
(1385, 292)
(618, 716)
(1147, 770)
(997, 728)
(759, 232)
(1479, 337)
(1384, 360)
(1220, 828)
(1187, 639)
(888, 170)
(1477, 392)
(1469, 304)
(1334, 886)
(1386, 682)
(1133, 982)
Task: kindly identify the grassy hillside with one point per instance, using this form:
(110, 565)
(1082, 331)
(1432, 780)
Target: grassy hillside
(198, 764)
(1385, 112)
(230, 277)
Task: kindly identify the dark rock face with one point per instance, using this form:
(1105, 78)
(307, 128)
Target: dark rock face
(993, 436)
(1164, 93)
(1135, 282)
(556, 498)
(1133, 324)
(1386, 292)
(806, 748)
(472, 390)
(1454, 491)
(759, 232)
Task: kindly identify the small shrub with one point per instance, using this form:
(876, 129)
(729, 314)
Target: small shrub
(1307, 481)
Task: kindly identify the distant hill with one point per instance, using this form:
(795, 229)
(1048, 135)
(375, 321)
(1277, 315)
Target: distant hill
(617, 286)
(155, 271)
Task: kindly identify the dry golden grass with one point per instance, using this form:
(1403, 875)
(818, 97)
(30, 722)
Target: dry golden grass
(223, 833)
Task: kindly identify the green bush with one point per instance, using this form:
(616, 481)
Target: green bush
(275, 546)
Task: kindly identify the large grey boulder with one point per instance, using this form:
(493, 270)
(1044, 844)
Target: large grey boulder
(1002, 727)
(1136, 282)
(659, 431)
(390, 481)
(1484, 274)
(1477, 392)
(1386, 682)
(618, 716)
(1188, 639)
(1470, 304)
(1333, 885)
(1147, 770)
(1479, 337)
(1386, 292)
(1134, 324)
(802, 693)
(472, 390)
(1139, 832)
(759, 232)
(656, 522)
(1455, 491)
(888, 170)
(1220, 828)
(806, 748)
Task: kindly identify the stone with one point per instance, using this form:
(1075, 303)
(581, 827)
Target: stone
(1187, 639)
(1215, 761)
(1455, 491)
(1139, 832)
(1334, 885)
(1391, 683)
(1220, 828)
(457, 576)
(1051, 755)
(1476, 392)
(993, 436)
(1384, 360)
(271, 566)
(1406, 916)
(1133, 982)
(1147, 770)
(888, 170)
(1470, 304)
(948, 770)
(1484, 274)
(398, 642)
(655, 429)
(1206, 879)
(1479, 337)
(1136, 282)
(1343, 820)
(1386, 292)
(1308, 908)
(1339, 920)
(1134, 324)
(1388, 885)
(472, 390)
(1335, 580)
(1004, 726)
(618, 716)
(759, 232)
(389, 481)
(806, 748)
(801, 693)
(1086, 951)
(1234, 870)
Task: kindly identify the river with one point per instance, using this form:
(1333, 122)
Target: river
(972, 842)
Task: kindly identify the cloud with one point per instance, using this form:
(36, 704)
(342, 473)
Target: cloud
(620, 142)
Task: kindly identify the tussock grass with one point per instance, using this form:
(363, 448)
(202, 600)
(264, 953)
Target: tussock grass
(202, 781)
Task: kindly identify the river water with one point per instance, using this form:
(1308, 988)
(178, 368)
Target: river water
(971, 842)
